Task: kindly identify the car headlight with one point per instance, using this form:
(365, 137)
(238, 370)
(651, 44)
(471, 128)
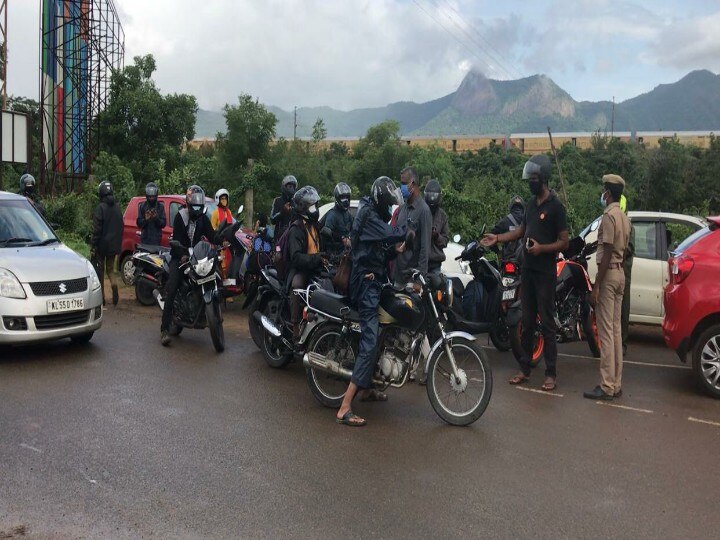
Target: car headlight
(465, 267)
(10, 285)
(202, 268)
(94, 280)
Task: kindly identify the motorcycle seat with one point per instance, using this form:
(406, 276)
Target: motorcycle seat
(335, 305)
(151, 249)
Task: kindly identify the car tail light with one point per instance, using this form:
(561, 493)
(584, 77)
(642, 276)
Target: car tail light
(680, 268)
(510, 268)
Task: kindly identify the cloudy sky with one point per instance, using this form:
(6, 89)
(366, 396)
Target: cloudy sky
(360, 53)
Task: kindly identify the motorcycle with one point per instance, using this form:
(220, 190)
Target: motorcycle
(151, 271)
(197, 303)
(459, 378)
(575, 317)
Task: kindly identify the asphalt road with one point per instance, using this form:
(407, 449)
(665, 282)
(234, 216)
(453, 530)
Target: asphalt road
(123, 438)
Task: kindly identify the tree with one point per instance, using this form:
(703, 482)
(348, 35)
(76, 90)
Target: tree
(319, 132)
(141, 126)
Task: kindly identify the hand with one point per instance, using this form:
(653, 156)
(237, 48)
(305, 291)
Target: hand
(594, 297)
(435, 234)
(346, 242)
(409, 238)
(400, 248)
(149, 215)
(184, 259)
(535, 248)
(287, 208)
(489, 240)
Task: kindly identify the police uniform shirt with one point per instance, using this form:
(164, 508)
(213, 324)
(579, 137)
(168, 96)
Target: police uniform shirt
(614, 229)
(543, 224)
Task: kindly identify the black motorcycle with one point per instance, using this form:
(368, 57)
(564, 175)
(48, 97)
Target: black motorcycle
(459, 378)
(198, 300)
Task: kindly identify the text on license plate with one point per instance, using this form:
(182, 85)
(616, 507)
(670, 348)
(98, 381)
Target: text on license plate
(509, 295)
(65, 304)
(206, 280)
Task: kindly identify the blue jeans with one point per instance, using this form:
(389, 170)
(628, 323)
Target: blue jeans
(368, 299)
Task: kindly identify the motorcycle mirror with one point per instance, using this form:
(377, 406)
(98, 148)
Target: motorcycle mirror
(457, 238)
(240, 210)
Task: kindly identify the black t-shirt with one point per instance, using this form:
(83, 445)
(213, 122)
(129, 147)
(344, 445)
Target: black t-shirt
(543, 224)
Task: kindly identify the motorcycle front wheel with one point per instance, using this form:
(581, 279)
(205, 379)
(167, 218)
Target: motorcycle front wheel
(144, 291)
(214, 322)
(500, 336)
(459, 401)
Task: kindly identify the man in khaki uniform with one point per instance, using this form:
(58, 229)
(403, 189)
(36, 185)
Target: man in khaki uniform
(607, 294)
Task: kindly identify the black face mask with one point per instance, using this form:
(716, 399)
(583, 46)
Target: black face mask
(535, 187)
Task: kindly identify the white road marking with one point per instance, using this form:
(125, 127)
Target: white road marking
(23, 445)
(701, 421)
(542, 392)
(87, 477)
(625, 407)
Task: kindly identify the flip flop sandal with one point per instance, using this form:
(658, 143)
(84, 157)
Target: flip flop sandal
(518, 379)
(374, 395)
(549, 386)
(349, 419)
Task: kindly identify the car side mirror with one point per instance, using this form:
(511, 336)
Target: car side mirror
(457, 238)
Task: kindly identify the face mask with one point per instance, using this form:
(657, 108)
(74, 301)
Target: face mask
(29, 190)
(603, 202)
(535, 187)
(405, 190)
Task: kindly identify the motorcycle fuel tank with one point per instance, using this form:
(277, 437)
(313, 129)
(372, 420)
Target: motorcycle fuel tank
(400, 308)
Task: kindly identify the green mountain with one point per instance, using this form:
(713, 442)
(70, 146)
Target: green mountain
(485, 106)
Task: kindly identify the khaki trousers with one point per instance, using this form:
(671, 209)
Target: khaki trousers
(609, 322)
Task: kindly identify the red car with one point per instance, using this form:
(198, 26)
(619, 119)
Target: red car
(692, 304)
(131, 233)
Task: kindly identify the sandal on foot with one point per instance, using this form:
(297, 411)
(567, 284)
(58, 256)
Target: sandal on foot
(351, 419)
(520, 378)
(549, 385)
(374, 395)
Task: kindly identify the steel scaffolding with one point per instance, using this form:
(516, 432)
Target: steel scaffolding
(82, 44)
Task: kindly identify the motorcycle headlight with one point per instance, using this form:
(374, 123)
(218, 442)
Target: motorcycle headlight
(92, 274)
(446, 296)
(465, 267)
(10, 285)
(202, 267)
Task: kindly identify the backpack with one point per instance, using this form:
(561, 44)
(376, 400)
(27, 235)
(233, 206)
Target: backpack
(281, 255)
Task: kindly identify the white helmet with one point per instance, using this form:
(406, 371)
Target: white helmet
(219, 193)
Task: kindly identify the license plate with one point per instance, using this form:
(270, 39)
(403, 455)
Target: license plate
(509, 295)
(65, 304)
(205, 280)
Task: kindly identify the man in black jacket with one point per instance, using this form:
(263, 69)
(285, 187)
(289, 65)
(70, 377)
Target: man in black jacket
(27, 190)
(514, 220)
(303, 249)
(440, 226)
(191, 224)
(336, 224)
(281, 213)
(106, 238)
(151, 217)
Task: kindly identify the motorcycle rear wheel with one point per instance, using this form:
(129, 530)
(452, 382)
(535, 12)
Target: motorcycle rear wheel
(516, 345)
(590, 331)
(144, 291)
(214, 322)
(460, 403)
(330, 389)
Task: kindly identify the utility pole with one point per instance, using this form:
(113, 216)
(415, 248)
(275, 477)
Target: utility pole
(612, 121)
(3, 51)
(295, 124)
(557, 162)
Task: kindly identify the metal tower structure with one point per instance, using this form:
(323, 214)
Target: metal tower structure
(3, 52)
(82, 44)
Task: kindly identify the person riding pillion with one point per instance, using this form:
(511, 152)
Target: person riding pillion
(282, 210)
(222, 212)
(374, 243)
(191, 224)
(151, 217)
(28, 189)
(335, 226)
(440, 235)
(106, 240)
(511, 222)
(304, 256)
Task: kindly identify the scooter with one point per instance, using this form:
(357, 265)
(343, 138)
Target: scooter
(151, 271)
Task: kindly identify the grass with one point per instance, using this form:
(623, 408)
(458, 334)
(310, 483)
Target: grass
(76, 243)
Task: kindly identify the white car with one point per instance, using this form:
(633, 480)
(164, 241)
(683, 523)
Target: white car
(656, 235)
(47, 291)
(450, 267)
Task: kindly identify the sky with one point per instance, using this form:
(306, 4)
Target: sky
(350, 54)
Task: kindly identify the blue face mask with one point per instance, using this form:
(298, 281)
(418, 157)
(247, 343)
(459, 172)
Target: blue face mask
(603, 202)
(405, 190)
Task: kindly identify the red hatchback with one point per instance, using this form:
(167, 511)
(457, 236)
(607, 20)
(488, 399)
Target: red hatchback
(692, 304)
(131, 233)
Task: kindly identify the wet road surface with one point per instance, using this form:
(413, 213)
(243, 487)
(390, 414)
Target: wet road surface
(124, 438)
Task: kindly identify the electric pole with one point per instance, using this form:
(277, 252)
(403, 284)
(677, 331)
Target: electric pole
(295, 124)
(612, 121)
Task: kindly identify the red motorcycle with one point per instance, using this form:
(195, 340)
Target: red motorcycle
(574, 316)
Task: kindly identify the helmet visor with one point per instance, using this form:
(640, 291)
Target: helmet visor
(432, 199)
(531, 169)
(151, 191)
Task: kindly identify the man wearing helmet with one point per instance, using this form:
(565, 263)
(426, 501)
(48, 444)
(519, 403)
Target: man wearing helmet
(440, 235)
(335, 226)
(511, 222)
(544, 234)
(151, 217)
(191, 224)
(374, 243)
(281, 213)
(222, 212)
(27, 190)
(106, 239)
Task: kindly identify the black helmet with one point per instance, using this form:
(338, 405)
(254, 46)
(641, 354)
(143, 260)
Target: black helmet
(342, 194)
(151, 192)
(195, 198)
(305, 202)
(517, 200)
(27, 183)
(540, 165)
(384, 196)
(433, 194)
(289, 186)
(105, 189)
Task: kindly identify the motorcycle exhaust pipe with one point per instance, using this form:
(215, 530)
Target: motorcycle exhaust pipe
(267, 324)
(318, 361)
